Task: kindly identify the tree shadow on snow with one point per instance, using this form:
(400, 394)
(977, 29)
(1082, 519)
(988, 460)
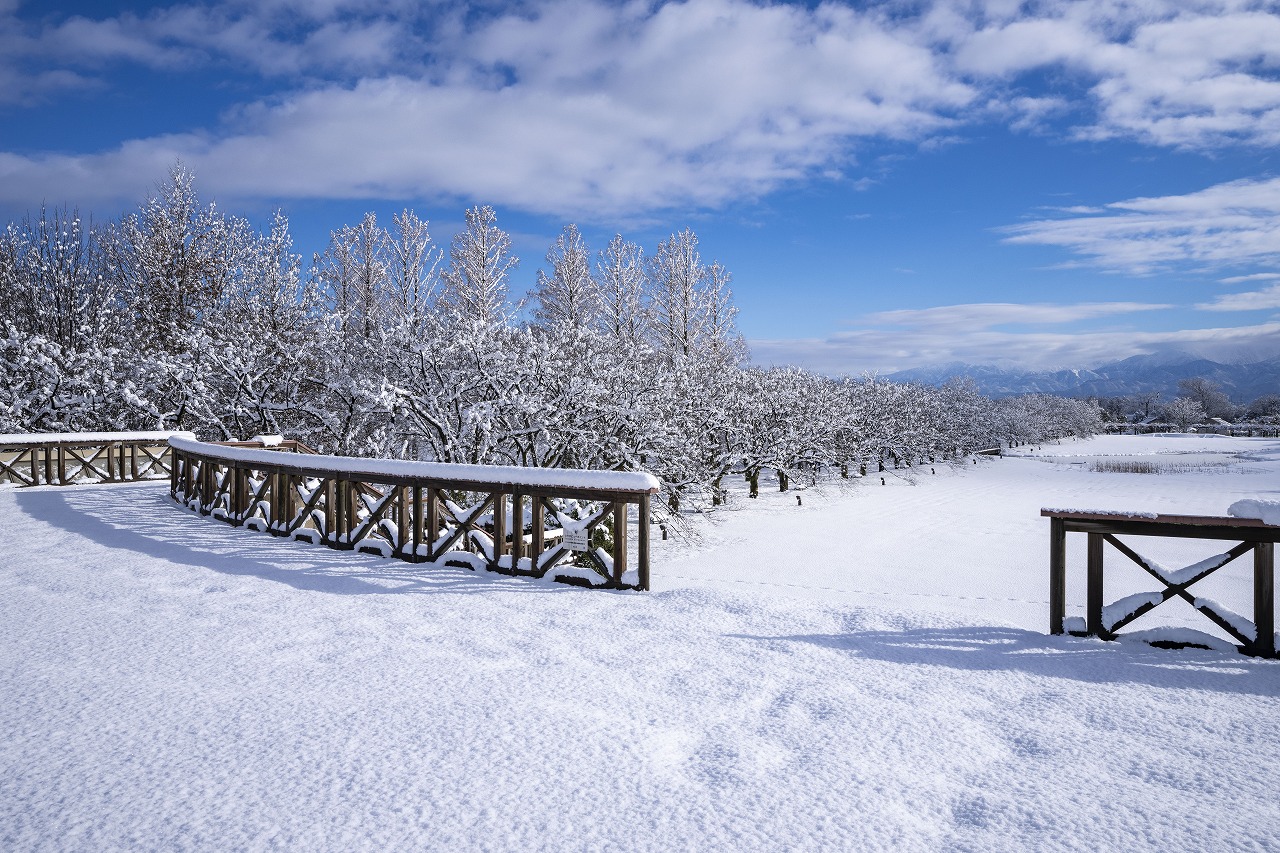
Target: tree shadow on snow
(143, 519)
(1087, 660)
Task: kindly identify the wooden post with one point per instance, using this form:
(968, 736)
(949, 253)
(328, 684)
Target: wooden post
(433, 522)
(499, 526)
(416, 492)
(285, 501)
(1264, 599)
(1093, 607)
(330, 487)
(48, 463)
(539, 531)
(619, 541)
(1057, 575)
(34, 456)
(642, 556)
(62, 465)
(517, 530)
(239, 496)
(404, 521)
(133, 461)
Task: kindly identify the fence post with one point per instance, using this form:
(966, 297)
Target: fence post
(1057, 575)
(1264, 599)
(619, 541)
(642, 549)
(517, 530)
(1093, 609)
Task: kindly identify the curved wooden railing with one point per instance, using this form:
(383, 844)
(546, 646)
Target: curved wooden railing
(570, 526)
(63, 459)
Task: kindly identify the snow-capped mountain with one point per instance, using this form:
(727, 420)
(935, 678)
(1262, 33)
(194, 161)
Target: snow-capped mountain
(1141, 373)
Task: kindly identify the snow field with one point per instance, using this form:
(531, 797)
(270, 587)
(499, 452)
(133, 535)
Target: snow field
(168, 682)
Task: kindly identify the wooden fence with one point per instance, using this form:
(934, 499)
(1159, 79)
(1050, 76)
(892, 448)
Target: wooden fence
(1256, 637)
(570, 526)
(63, 459)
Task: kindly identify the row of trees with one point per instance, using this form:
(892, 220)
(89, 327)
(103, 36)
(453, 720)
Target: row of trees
(1199, 399)
(182, 316)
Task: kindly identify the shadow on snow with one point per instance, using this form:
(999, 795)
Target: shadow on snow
(149, 523)
(997, 649)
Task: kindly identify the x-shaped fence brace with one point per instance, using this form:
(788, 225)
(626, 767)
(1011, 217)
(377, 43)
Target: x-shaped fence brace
(1256, 637)
(475, 524)
(33, 462)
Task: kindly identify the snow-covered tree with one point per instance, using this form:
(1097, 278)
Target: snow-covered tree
(474, 286)
(567, 295)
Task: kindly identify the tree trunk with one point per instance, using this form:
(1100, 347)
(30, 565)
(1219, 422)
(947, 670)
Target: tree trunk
(782, 480)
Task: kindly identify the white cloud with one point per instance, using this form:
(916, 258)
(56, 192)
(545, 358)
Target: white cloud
(886, 350)
(576, 107)
(1257, 276)
(979, 316)
(1235, 223)
(1189, 75)
(1254, 300)
(580, 108)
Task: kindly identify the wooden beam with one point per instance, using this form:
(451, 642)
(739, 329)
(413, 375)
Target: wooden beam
(1264, 599)
(1093, 606)
(642, 543)
(1057, 575)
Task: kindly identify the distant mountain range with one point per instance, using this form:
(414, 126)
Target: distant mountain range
(1141, 373)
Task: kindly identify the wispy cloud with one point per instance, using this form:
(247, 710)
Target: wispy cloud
(581, 107)
(1257, 276)
(979, 316)
(570, 107)
(1188, 75)
(1227, 224)
(1254, 300)
(887, 350)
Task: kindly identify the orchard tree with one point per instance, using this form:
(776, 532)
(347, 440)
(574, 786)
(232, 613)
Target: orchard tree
(474, 287)
(568, 295)
(1183, 412)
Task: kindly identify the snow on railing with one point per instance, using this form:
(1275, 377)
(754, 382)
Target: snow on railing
(64, 458)
(562, 524)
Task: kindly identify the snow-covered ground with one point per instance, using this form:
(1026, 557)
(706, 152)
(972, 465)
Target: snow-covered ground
(867, 671)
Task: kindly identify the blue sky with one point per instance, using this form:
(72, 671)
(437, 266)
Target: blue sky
(892, 185)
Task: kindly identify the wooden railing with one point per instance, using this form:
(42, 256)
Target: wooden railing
(62, 459)
(1256, 637)
(570, 526)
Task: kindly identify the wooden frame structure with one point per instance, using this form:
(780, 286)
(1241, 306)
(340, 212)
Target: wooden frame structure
(1256, 637)
(513, 524)
(67, 458)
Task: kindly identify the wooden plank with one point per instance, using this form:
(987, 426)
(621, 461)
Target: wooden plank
(499, 526)
(1264, 599)
(1093, 605)
(464, 526)
(433, 522)
(642, 544)
(376, 512)
(1156, 518)
(300, 518)
(404, 520)
(1243, 533)
(619, 541)
(1057, 575)
(539, 543)
(517, 530)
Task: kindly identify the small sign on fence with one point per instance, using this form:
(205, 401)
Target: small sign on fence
(577, 540)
